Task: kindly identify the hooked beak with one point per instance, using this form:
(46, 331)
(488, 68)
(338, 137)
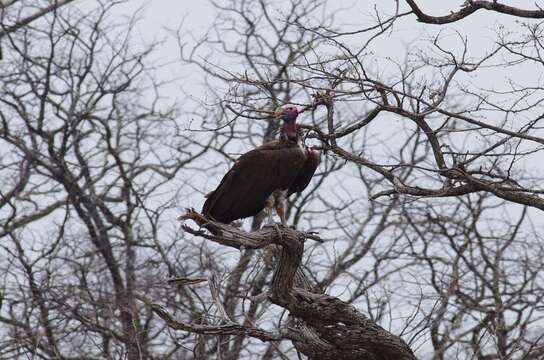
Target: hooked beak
(289, 116)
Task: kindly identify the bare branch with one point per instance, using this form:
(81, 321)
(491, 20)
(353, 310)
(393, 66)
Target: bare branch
(470, 7)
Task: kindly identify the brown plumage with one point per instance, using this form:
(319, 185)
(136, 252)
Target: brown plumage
(278, 199)
(280, 167)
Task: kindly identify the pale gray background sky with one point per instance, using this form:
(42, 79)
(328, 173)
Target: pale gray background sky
(158, 16)
(198, 15)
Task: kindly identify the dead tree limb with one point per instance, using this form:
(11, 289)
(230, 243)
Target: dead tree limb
(20, 23)
(471, 7)
(326, 328)
(229, 328)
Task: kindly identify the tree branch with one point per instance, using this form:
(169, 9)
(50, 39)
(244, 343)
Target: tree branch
(326, 327)
(230, 328)
(471, 7)
(27, 20)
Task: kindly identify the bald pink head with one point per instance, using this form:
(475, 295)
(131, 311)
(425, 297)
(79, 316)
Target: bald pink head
(288, 114)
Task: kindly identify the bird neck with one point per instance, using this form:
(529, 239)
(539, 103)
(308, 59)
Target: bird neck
(284, 138)
(290, 128)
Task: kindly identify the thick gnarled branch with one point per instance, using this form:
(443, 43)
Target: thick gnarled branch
(325, 327)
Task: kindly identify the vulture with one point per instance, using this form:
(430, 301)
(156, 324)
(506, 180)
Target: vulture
(265, 176)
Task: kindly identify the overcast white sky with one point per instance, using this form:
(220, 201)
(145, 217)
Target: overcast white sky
(157, 16)
(198, 15)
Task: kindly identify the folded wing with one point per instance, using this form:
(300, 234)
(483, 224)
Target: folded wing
(254, 176)
(306, 172)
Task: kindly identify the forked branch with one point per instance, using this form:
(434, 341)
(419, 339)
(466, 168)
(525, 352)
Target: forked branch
(470, 7)
(323, 327)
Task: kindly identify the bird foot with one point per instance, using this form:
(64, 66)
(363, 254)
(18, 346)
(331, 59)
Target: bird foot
(276, 227)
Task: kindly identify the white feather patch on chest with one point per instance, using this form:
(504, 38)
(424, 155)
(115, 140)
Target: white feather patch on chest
(301, 146)
(281, 196)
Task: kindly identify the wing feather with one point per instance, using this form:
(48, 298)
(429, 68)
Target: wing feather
(254, 176)
(306, 172)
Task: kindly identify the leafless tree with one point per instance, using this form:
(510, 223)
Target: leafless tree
(462, 150)
(427, 201)
(82, 194)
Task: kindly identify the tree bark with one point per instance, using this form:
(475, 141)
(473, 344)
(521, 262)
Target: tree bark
(325, 328)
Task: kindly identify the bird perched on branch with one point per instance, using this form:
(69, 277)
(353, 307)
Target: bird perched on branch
(265, 176)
